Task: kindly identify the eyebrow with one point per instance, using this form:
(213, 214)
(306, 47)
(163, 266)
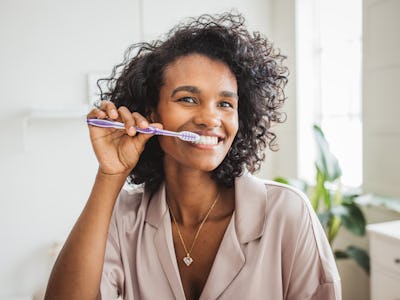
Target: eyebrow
(229, 94)
(186, 88)
(196, 90)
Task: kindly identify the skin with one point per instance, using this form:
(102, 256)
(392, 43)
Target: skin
(194, 99)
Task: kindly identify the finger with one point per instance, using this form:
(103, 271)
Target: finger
(109, 108)
(157, 125)
(96, 113)
(144, 137)
(128, 120)
(140, 120)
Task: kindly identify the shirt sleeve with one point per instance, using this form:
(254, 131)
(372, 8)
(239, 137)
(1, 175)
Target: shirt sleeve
(314, 273)
(112, 279)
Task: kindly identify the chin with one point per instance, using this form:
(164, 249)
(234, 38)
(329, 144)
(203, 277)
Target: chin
(210, 168)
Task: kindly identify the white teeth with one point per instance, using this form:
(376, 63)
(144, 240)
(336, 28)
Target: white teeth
(207, 140)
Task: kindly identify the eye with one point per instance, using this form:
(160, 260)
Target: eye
(226, 104)
(187, 100)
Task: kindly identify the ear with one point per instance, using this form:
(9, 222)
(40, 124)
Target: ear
(153, 117)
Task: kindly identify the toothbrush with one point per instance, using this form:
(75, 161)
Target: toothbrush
(183, 135)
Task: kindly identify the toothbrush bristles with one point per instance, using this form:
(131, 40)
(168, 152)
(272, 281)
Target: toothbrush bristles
(189, 136)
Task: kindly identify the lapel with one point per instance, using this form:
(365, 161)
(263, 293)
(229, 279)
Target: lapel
(247, 224)
(158, 217)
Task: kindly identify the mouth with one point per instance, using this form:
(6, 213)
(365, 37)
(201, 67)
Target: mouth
(208, 140)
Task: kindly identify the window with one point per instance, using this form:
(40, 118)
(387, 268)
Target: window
(328, 46)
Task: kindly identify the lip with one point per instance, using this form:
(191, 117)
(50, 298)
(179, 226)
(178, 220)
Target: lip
(204, 146)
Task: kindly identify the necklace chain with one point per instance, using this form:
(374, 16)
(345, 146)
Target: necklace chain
(188, 259)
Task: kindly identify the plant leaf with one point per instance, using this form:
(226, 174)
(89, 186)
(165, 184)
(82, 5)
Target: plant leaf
(326, 195)
(334, 226)
(318, 190)
(360, 256)
(338, 196)
(349, 197)
(325, 218)
(339, 254)
(326, 161)
(351, 217)
(281, 180)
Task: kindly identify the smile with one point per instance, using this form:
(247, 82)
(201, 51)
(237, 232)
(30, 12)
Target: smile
(206, 140)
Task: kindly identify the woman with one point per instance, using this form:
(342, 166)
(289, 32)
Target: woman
(196, 224)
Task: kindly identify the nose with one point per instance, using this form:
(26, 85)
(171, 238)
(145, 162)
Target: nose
(208, 116)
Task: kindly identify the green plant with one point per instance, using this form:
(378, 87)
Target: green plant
(334, 207)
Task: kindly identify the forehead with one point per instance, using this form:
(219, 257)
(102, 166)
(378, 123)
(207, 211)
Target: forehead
(198, 68)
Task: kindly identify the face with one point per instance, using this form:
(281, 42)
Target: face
(199, 95)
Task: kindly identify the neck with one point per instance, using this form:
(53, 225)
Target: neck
(190, 194)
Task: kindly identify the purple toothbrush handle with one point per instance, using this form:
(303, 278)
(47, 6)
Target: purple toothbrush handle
(105, 123)
(183, 135)
(149, 129)
(118, 125)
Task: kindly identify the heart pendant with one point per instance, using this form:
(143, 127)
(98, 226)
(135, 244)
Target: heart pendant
(188, 260)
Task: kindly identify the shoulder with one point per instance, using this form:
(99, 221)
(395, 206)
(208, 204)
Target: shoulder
(279, 198)
(274, 207)
(287, 199)
(290, 213)
(281, 208)
(291, 209)
(129, 198)
(130, 207)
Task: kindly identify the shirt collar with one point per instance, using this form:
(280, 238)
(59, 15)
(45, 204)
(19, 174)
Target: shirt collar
(157, 206)
(250, 207)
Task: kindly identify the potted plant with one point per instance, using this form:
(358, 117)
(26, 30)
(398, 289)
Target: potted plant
(334, 207)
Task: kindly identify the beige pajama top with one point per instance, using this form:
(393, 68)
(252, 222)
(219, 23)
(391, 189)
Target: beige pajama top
(274, 248)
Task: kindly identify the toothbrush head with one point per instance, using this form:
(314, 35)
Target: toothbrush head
(189, 136)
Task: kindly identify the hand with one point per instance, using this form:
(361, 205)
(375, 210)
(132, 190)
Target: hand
(118, 150)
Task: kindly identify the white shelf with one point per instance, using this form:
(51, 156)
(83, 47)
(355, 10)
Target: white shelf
(57, 112)
(52, 113)
(389, 229)
(384, 245)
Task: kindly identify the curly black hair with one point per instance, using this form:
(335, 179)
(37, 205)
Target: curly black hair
(260, 75)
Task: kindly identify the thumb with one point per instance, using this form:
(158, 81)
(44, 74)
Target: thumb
(143, 138)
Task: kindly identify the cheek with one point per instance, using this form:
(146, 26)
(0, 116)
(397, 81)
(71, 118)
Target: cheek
(235, 124)
(164, 116)
(167, 145)
(154, 118)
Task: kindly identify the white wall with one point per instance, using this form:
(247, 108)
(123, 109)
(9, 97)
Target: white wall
(381, 126)
(160, 16)
(381, 78)
(47, 48)
(284, 161)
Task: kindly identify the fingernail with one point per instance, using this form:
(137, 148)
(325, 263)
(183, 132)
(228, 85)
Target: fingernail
(131, 130)
(114, 113)
(143, 123)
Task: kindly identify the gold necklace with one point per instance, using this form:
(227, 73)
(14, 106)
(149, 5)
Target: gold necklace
(188, 259)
